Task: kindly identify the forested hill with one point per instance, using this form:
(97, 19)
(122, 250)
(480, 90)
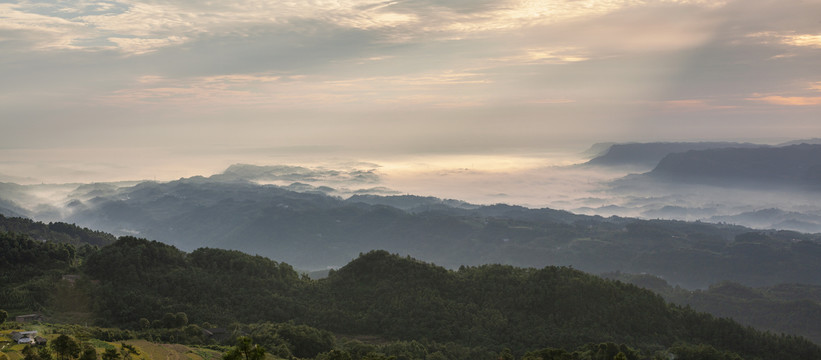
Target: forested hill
(469, 313)
(784, 308)
(393, 297)
(57, 231)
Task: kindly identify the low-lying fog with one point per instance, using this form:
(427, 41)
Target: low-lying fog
(556, 180)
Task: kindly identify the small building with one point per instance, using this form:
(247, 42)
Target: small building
(25, 340)
(39, 340)
(28, 318)
(17, 335)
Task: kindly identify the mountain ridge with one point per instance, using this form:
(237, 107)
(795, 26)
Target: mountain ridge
(788, 166)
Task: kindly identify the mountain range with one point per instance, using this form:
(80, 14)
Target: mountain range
(312, 229)
(315, 231)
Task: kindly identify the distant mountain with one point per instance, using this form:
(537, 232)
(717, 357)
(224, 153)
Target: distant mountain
(413, 203)
(9, 208)
(288, 173)
(314, 231)
(815, 141)
(795, 166)
(12, 195)
(647, 155)
(774, 219)
(598, 149)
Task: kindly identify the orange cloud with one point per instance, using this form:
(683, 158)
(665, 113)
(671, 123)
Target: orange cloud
(792, 39)
(789, 100)
(807, 40)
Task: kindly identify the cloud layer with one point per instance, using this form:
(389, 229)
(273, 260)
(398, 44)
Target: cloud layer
(404, 77)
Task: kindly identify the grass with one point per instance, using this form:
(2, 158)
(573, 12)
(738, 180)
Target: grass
(147, 349)
(99, 344)
(153, 351)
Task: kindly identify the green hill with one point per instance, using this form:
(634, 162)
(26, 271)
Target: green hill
(161, 292)
(400, 298)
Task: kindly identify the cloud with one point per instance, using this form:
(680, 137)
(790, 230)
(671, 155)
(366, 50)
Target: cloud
(408, 75)
(269, 90)
(139, 46)
(32, 31)
(788, 38)
(808, 40)
(545, 56)
(789, 100)
(149, 22)
(687, 105)
(794, 100)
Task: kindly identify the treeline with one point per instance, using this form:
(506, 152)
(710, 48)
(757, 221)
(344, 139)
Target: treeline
(147, 279)
(57, 231)
(31, 269)
(485, 308)
(35, 255)
(784, 308)
(398, 306)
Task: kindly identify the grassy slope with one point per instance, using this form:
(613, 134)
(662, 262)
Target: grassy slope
(148, 350)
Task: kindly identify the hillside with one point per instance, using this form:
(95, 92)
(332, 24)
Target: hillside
(57, 231)
(34, 255)
(479, 311)
(783, 308)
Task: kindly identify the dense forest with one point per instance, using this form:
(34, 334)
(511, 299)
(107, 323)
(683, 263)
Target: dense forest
(59, 232)
(380, 304)
(784, 308)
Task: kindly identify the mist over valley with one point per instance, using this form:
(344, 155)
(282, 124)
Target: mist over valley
(590, 215)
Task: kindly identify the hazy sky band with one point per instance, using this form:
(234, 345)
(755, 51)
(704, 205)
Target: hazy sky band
(370, 79)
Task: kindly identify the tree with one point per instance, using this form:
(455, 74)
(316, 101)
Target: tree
(32, 353)
(65, 347)
(169, 321)
(339, 355)
(180, 319)
(245, 350)
(505, 355)
(88, 353)
(126, 351)
(3, 316)
(111, 354)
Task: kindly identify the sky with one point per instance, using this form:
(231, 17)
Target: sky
(145, 89)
